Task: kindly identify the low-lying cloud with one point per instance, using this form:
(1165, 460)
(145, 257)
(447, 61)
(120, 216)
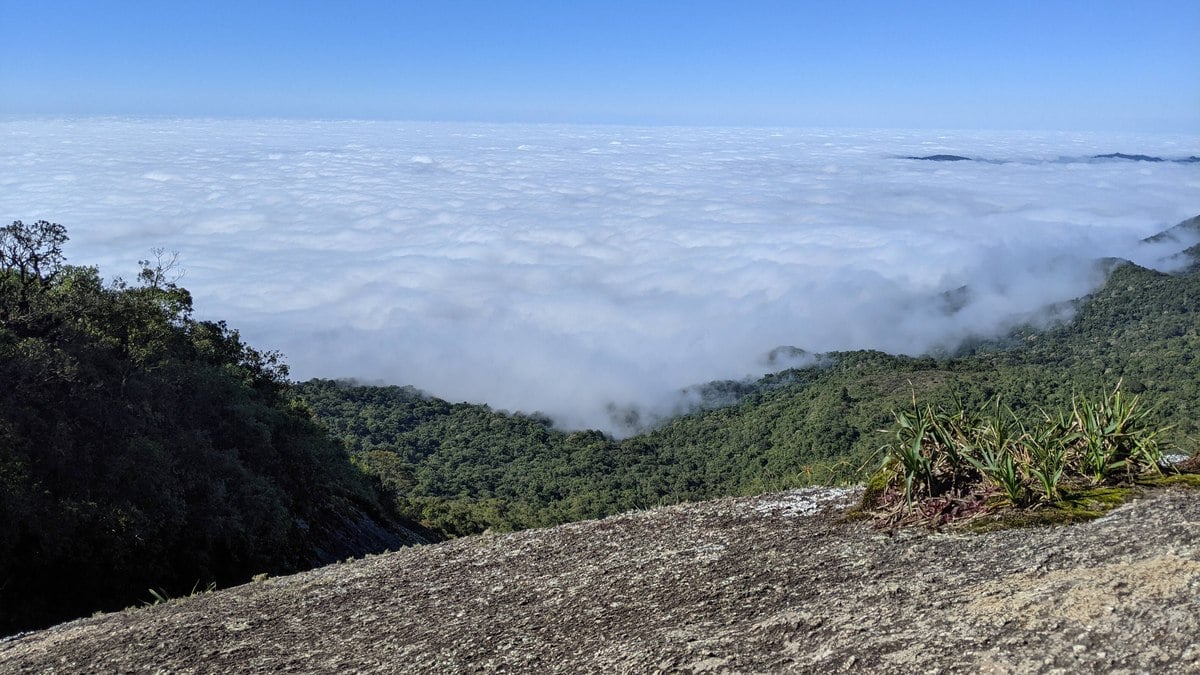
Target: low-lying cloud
(567, 269)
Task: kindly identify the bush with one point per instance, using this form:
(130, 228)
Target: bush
(946, 465)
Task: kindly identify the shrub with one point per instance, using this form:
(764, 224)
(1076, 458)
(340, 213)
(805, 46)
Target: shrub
(944, 465)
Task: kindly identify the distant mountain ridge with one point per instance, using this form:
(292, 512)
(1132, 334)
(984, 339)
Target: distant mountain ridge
(1191, 159)
(1146, 158)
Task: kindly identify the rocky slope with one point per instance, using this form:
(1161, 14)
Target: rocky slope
(778, 583)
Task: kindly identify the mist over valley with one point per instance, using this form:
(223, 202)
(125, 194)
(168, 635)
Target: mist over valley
(593, 272)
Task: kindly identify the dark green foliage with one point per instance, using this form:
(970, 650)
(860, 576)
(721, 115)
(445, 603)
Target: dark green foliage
(464, 468)
(141, 448)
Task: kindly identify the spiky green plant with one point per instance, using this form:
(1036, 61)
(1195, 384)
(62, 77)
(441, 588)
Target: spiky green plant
(999, 467)
(909, 452)
(1047, 449)
(1114, 436)
(949, 462)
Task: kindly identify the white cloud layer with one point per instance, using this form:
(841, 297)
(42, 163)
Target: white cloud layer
(561, 268)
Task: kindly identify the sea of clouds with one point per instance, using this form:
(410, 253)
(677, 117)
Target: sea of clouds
(565, 269)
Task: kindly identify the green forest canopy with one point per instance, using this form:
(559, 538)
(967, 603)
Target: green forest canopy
(463, 468)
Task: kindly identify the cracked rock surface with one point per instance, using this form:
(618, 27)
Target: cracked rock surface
(777, 583)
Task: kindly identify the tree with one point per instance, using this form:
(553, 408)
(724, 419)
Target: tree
(30, 257)
(32, 252)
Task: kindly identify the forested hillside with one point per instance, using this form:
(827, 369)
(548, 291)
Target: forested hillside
(141, 448)
(463, 468)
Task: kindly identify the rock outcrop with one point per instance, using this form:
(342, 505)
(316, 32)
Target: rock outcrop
(777, 583)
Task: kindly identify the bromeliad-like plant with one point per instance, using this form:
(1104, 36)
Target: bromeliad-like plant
(994, 440)
(915, 463)
(1114, 437)
(942, 464)
(1047, 446)
(1002, 471)
(928, 451)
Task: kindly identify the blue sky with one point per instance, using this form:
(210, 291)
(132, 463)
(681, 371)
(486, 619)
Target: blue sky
(1088, 65)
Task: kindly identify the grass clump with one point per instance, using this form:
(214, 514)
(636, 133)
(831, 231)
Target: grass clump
(958, 465)
(159, 596)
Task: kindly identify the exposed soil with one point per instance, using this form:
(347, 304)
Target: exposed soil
(767, 584)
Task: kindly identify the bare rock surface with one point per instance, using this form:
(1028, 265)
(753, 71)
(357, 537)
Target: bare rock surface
(777, 583)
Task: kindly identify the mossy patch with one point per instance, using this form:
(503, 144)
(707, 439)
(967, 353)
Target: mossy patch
(1074, 507)
(875, 487)
(1188, 480)
(1080, 505)
(873, 491)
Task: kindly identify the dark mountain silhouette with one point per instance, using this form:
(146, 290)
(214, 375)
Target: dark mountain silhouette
(1132, 158)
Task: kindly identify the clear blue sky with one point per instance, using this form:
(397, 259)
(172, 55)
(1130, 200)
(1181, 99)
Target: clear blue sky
(1003, 64)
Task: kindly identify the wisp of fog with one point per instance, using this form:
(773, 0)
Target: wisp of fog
(565, 269)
